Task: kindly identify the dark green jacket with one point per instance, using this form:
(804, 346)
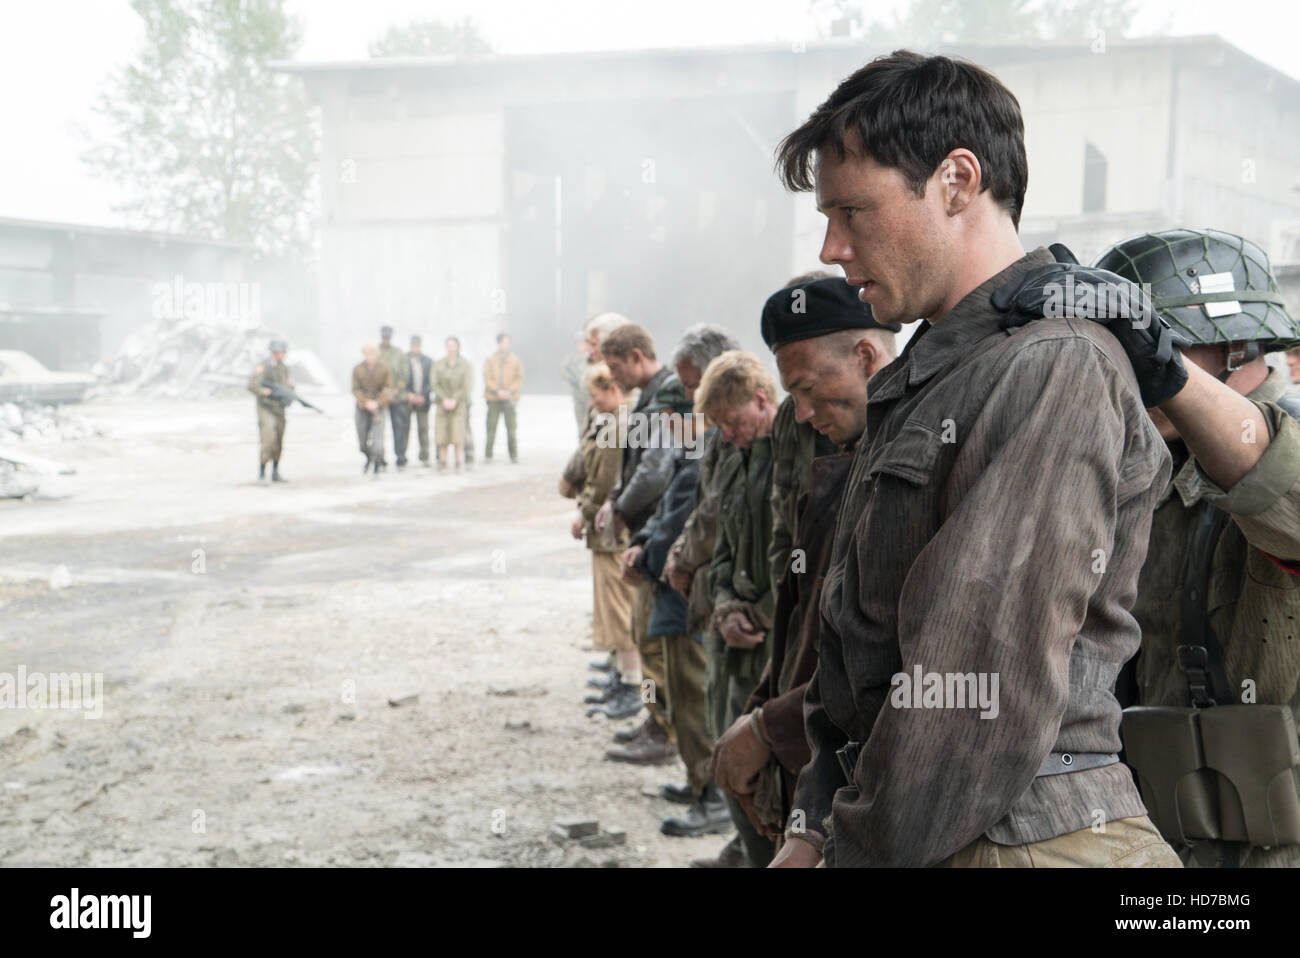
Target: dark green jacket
(740, 574)
(794, 446)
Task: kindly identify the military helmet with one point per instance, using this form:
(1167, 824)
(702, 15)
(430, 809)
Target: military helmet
(1212, 287)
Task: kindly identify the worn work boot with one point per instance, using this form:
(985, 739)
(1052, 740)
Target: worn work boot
(626, 735)
(731, 856)
(606, 681)
(602, 665)
(677, 794)
(624, 703)
(654, 749)
(275, 473)
(261, 473)
(607, 692)
(708, 815)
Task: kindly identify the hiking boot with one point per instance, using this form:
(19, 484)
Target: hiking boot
(602, 665)
(624, 703)
(654, 749)
(261, 474)
(677, 794)
(275, 474)
(602, 682)
(626, 735)
(731, 856)
(708, 815)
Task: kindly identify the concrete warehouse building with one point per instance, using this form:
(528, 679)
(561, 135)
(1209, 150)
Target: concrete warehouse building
(463, 195)
(70, 293)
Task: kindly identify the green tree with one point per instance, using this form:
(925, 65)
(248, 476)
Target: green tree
(203, 135)
(422, 38)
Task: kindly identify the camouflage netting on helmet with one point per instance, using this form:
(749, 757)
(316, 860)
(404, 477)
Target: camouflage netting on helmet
(1194, 277)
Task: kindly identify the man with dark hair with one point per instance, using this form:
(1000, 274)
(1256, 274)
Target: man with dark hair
(503, 377)
(419, 394)
(649, 463)
(975, 611)
(399, 410)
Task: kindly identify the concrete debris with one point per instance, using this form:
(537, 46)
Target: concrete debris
(570, 829)
(43, 424)
(606, 839)
(411, 699)
(194, 358)
(60, 578)
(15, 484)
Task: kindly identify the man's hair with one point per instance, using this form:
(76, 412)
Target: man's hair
(501, 336)
(620, 341)
(732, 380)
(598, 377)
(451, 339)
(908, 111)
(842, 341)
(701, 344)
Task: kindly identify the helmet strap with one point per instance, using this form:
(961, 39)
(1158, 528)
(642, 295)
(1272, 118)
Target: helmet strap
(1239, 354)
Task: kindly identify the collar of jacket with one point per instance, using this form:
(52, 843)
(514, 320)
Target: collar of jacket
(935, 347)
(649, 389)
(1188, 482)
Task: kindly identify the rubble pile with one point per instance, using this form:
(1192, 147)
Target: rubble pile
(195, 358)
(43, 424)
(20, 470)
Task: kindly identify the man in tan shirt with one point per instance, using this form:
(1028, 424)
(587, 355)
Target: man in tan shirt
(503, 377)
(372, 385)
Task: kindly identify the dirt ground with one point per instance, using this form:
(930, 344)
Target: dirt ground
(250, 639)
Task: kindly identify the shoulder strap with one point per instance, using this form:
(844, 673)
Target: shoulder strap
(1198, 654)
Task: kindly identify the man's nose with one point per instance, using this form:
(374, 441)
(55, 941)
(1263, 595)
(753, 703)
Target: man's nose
(803, 410)
(835, 248)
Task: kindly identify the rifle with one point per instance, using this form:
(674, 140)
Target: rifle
(285, 396)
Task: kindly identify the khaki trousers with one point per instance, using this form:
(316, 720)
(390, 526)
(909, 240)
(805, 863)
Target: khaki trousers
(686, 667)
(270, 429)
(652, 658)
(1126, 843)
(611, 604)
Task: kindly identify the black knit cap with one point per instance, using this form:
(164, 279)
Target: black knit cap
(816, 308)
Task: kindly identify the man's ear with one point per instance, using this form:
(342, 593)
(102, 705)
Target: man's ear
(866, 353)
(960, 178)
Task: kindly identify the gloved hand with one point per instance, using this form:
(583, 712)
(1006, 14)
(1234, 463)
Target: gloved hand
(1146, 337)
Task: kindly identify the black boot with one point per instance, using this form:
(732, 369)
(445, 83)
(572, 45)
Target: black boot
(366, 468)
(275, 473)
(677, 794)
(261, 473)
(731, 856)
(707, 815)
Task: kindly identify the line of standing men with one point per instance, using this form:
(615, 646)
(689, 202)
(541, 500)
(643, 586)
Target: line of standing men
(410, 383)
(1027, 502)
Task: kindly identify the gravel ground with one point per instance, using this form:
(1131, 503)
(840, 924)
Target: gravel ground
(250, 640)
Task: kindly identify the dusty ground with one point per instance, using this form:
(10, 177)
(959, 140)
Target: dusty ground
(250, 638)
